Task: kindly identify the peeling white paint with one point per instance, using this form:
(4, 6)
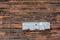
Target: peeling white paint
(35, 25)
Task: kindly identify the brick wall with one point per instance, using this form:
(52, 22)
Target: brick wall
(13, 13)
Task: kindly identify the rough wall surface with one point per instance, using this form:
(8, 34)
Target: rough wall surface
(14, 12)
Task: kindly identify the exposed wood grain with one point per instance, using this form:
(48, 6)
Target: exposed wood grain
(14, 12)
